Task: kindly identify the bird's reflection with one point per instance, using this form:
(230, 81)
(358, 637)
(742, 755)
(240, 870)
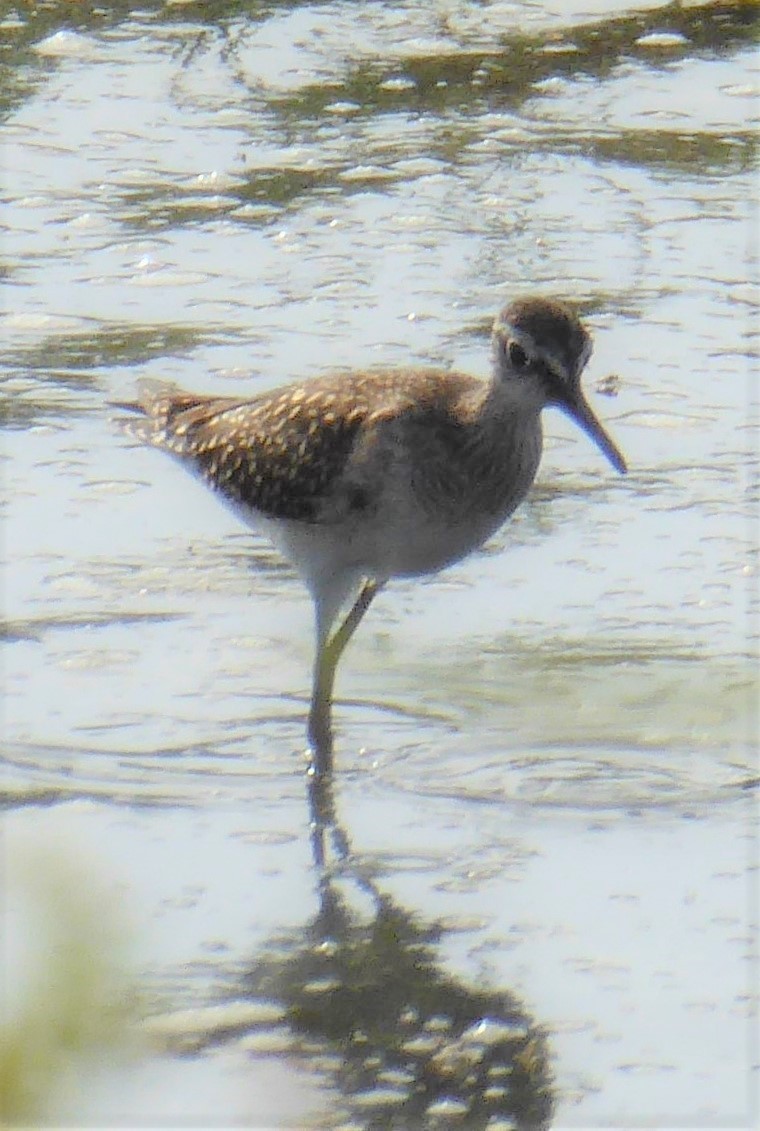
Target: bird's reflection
(402, 1043)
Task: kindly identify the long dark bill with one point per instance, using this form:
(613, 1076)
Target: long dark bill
(578, 408)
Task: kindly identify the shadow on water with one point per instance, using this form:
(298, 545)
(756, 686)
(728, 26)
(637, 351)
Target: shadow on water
(363, 1002)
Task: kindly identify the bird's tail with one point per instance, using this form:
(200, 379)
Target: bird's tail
(153, 413)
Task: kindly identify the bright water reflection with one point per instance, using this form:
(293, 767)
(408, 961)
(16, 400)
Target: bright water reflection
(547, 750)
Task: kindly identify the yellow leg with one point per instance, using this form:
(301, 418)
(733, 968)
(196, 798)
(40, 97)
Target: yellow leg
(320, 723)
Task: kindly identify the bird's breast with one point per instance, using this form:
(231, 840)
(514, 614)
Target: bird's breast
(435, 510)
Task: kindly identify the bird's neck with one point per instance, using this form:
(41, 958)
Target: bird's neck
(501, 407)
(503, 442)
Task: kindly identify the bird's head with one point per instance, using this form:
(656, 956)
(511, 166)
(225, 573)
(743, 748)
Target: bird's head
(541, 347)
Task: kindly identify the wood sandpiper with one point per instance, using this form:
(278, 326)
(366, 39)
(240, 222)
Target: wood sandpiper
(364, 476)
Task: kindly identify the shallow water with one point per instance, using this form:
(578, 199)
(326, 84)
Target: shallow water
(549, 750)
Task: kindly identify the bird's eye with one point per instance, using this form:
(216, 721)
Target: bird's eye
(517, 355)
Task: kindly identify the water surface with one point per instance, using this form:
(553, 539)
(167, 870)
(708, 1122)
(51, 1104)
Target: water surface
(546, 754)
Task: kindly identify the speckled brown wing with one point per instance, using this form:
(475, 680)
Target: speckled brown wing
(282, 456)
(279, 454)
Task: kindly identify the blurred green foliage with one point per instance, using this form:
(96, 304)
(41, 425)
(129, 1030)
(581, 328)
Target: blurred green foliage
(66, 987)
